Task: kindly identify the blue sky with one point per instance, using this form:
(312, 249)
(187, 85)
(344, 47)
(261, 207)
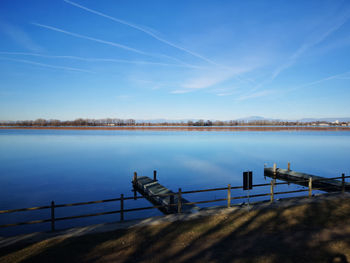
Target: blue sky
(63, 59)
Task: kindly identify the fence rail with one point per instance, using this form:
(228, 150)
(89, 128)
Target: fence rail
(179, 204)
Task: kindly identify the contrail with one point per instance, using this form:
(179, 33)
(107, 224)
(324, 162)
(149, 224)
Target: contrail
(139, 62)
(46, 65)
(93, 39)
(144, 31)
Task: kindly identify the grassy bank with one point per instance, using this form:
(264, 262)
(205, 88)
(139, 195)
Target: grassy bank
(317, 231)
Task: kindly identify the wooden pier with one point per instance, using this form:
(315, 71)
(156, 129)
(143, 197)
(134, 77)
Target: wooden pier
(158, 194)
(318, 182)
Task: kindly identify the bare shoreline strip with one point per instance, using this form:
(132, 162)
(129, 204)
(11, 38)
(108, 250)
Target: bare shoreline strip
(177, 128)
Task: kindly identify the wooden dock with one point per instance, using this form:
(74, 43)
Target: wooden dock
(158, 194)
(321, 183)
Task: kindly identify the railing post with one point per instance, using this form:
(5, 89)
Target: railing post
(342, 183)
(271, 190)
(171, 202)
(154, 175)
(228, 195)
(310, 186)
(179, 201)
(288, 166)
(52, 216)
(121, 207)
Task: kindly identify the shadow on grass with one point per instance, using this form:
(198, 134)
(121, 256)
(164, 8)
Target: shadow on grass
(313, 232)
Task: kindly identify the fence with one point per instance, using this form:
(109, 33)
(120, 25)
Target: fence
(179, 204)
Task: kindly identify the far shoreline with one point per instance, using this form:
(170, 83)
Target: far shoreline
(180, 128)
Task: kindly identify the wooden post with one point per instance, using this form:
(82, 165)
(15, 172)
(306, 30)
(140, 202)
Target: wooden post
(179, 201)
(154, 175)
(271, 190)
(342, 183)
(288, 166)
(121, 207)
(228, 195)
(135, 178)
(310, 186)
(52, 216)
(274, 168)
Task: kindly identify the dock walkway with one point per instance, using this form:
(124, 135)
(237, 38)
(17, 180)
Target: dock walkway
(324, 184)
(149, 188)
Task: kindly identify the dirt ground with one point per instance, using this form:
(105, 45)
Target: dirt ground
(317, 231)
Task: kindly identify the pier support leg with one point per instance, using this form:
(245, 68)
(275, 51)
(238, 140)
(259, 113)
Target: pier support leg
(342, 183)
(274, 168)
(154, 175)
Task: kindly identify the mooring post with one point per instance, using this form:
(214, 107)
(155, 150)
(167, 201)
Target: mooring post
(154, 175)
(274, 168)
(342, 183)
(179, 201)
(228, 195)
(271, 190)
(310, 186)
(135, 178)
(121, 207)
(52, 216)
(288, 166)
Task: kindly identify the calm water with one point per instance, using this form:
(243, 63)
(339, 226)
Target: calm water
(66, 166)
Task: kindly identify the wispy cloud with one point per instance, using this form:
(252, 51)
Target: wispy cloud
(210, 79)
(345, 75)
(144, 30)
(93, 39)
(20, 37)
(138, 62)
(46, 65)
(313, 40)
(254, 95)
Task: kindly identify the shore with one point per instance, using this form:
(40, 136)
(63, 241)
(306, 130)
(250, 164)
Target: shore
(184, 128)
(295, 230)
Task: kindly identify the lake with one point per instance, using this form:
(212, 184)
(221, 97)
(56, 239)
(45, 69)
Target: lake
(67, 166)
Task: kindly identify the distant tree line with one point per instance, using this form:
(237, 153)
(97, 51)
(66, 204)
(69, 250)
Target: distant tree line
(131, 122)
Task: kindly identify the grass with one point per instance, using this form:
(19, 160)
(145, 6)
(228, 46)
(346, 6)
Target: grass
(303, 232)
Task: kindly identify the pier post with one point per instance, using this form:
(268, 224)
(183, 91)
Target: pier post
(274, 168)
(121, 207)
(342, 183)
(288, 166)
(135, 178)
(271, 190)
(228, 195)
(52, 216)
(179, 201)
(310, 186)
(154, 175)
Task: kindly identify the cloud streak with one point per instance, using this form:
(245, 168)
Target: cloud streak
(93, 39)
(46, 65)
(313, 41)
(144, 30)
(138, 62)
